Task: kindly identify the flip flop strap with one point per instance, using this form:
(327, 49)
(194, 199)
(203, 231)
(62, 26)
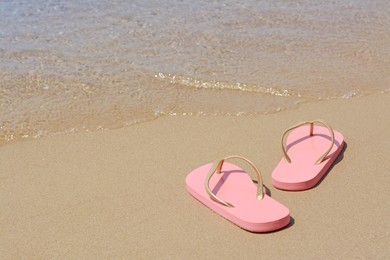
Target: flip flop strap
(321, 159)
(217, 167)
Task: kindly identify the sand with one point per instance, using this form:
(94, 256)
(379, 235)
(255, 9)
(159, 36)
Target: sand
(121, 193)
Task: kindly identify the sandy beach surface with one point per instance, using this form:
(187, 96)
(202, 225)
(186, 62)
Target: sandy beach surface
(121, 194)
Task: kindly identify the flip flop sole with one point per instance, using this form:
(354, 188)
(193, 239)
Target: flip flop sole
(235, 186)
(302, 173)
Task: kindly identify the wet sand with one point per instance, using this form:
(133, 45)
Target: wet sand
(121, 193)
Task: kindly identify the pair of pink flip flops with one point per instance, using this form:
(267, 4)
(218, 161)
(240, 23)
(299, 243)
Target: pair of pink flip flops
(225, 188)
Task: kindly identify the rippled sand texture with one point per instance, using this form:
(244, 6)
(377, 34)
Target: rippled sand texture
(74, 65)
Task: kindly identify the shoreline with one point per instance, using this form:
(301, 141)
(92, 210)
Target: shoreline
(120, 193)
(10, 139)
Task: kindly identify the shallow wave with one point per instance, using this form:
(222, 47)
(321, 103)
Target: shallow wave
(36, 105)
(222, 85)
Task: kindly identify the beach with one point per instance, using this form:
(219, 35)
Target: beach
(121, 193)
(106, 106)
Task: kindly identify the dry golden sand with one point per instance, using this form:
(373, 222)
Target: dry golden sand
(121, 193)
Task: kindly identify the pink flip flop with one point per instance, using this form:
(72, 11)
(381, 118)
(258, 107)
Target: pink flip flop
(308, 154)
(229, 191)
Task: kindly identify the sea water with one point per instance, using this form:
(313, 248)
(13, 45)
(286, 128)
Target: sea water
(84, 65)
